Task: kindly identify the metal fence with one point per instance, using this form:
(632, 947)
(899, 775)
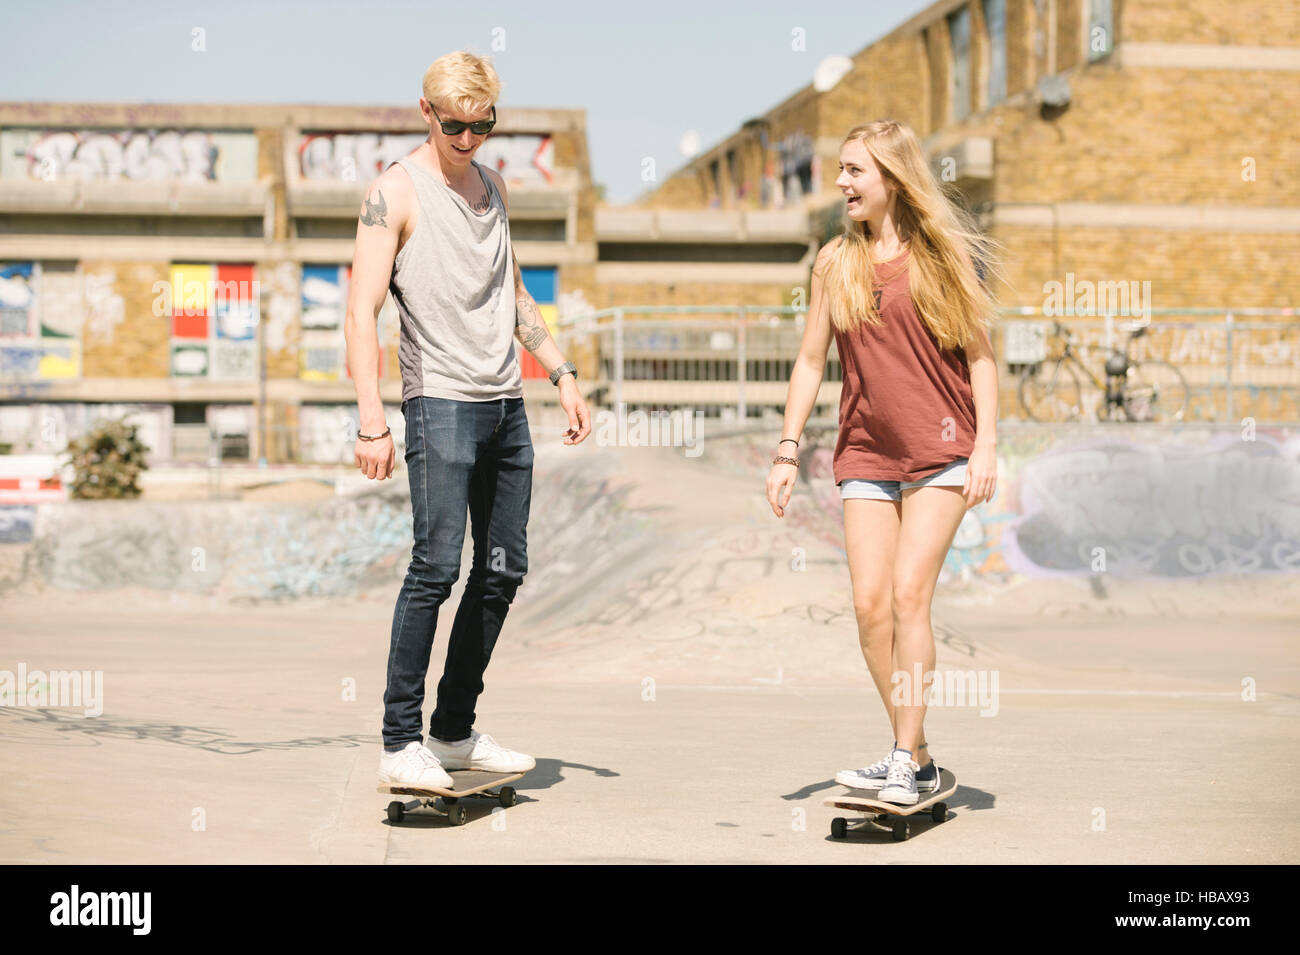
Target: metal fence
(736, 361)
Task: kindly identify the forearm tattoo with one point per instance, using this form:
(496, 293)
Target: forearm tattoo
(375, 211)
(530, 327)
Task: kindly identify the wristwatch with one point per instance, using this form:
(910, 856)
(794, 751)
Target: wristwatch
(567, 368)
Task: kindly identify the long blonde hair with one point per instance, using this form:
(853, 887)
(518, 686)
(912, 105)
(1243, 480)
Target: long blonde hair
(943, 244)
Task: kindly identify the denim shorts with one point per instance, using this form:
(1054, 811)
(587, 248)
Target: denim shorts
(860, 489)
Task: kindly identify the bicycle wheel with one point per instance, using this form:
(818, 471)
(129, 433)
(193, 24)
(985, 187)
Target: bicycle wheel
(1053, 396)
(1154, 391)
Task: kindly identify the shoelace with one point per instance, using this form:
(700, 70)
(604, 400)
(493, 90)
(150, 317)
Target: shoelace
(876, 767)
(496, 748)
(419, 758)
(898, 771)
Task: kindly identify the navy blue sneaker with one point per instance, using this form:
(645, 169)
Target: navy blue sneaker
(927, 778)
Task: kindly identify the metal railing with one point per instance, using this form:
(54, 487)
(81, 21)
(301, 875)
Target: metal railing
(735, 361)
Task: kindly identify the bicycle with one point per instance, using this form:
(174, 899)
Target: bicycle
(1151, 390)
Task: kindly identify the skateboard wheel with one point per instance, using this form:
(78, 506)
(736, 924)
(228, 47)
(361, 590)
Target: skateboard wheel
(507, 796)
(839, 827)
(939, 812)
(395, 811)
(900, 830)
(456, 815)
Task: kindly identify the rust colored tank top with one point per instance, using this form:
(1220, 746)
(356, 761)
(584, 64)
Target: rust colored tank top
(906, 408)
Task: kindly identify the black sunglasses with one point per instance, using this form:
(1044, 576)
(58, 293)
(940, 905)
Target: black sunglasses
(455, 127)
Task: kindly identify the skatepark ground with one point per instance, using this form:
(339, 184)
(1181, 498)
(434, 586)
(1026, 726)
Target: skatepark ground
(682, 664)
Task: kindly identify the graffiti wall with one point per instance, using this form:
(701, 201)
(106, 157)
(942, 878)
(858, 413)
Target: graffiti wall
(359, 157)
(1091, 500)
(1220, 503)
(132, 154)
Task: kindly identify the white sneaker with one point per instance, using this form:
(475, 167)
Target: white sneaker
(869, 777)
(480, 751)
(413, 766)
(900, 783)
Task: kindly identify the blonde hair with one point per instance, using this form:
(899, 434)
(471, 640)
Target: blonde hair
(463, 81)
(943, 245)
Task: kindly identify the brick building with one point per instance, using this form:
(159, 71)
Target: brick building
(1151, 139)
(191, 263)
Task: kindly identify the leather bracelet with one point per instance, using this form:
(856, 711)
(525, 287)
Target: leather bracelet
(784, 440)
(375, 437)
(782, 459)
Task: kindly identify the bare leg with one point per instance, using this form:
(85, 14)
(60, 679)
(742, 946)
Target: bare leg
(930, 517)
(871, 531)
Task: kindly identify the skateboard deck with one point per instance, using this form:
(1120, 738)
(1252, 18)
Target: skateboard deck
(464, 783)
(931, 802)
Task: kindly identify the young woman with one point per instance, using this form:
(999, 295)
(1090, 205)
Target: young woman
(901, 294)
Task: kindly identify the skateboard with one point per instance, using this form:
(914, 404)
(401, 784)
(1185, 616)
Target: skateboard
(464, 783)
(897, 814)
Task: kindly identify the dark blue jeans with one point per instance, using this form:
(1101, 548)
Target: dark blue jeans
(474, 456)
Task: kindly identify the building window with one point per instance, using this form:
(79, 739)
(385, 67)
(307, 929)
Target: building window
(1101, 29)
(959, 85)
(995, 22)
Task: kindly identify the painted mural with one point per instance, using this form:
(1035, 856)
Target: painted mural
(131, 154)
(214, 316)
(359, 157)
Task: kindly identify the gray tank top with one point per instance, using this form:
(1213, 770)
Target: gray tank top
(453, 283)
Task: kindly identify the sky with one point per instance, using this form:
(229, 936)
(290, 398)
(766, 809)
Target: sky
(646, 73)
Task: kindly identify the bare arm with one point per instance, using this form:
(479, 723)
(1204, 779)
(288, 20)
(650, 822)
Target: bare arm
(810, 364)
(532, 333)
(378, 226)
(984, 388)
(530, 327)
(805, 382)
(982, 468)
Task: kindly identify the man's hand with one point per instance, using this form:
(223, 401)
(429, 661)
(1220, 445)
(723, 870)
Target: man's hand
(573, 405)
(375, 458)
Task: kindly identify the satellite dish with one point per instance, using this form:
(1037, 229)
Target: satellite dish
(830, 71)
(690, 144)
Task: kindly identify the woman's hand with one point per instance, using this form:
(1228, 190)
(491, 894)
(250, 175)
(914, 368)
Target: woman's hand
(781, 478)
(981, 475)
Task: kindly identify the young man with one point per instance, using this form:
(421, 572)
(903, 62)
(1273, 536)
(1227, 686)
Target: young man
(433, 231)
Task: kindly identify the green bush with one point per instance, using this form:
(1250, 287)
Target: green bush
(108, 459)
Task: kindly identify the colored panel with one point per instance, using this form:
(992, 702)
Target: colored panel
(549, 315)
(530, 367)
(190, 326)
(236, 320)
(236, 281)
(191, 289)
(540, 283)
(18, 299)
(323, 299)
(61, 359)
